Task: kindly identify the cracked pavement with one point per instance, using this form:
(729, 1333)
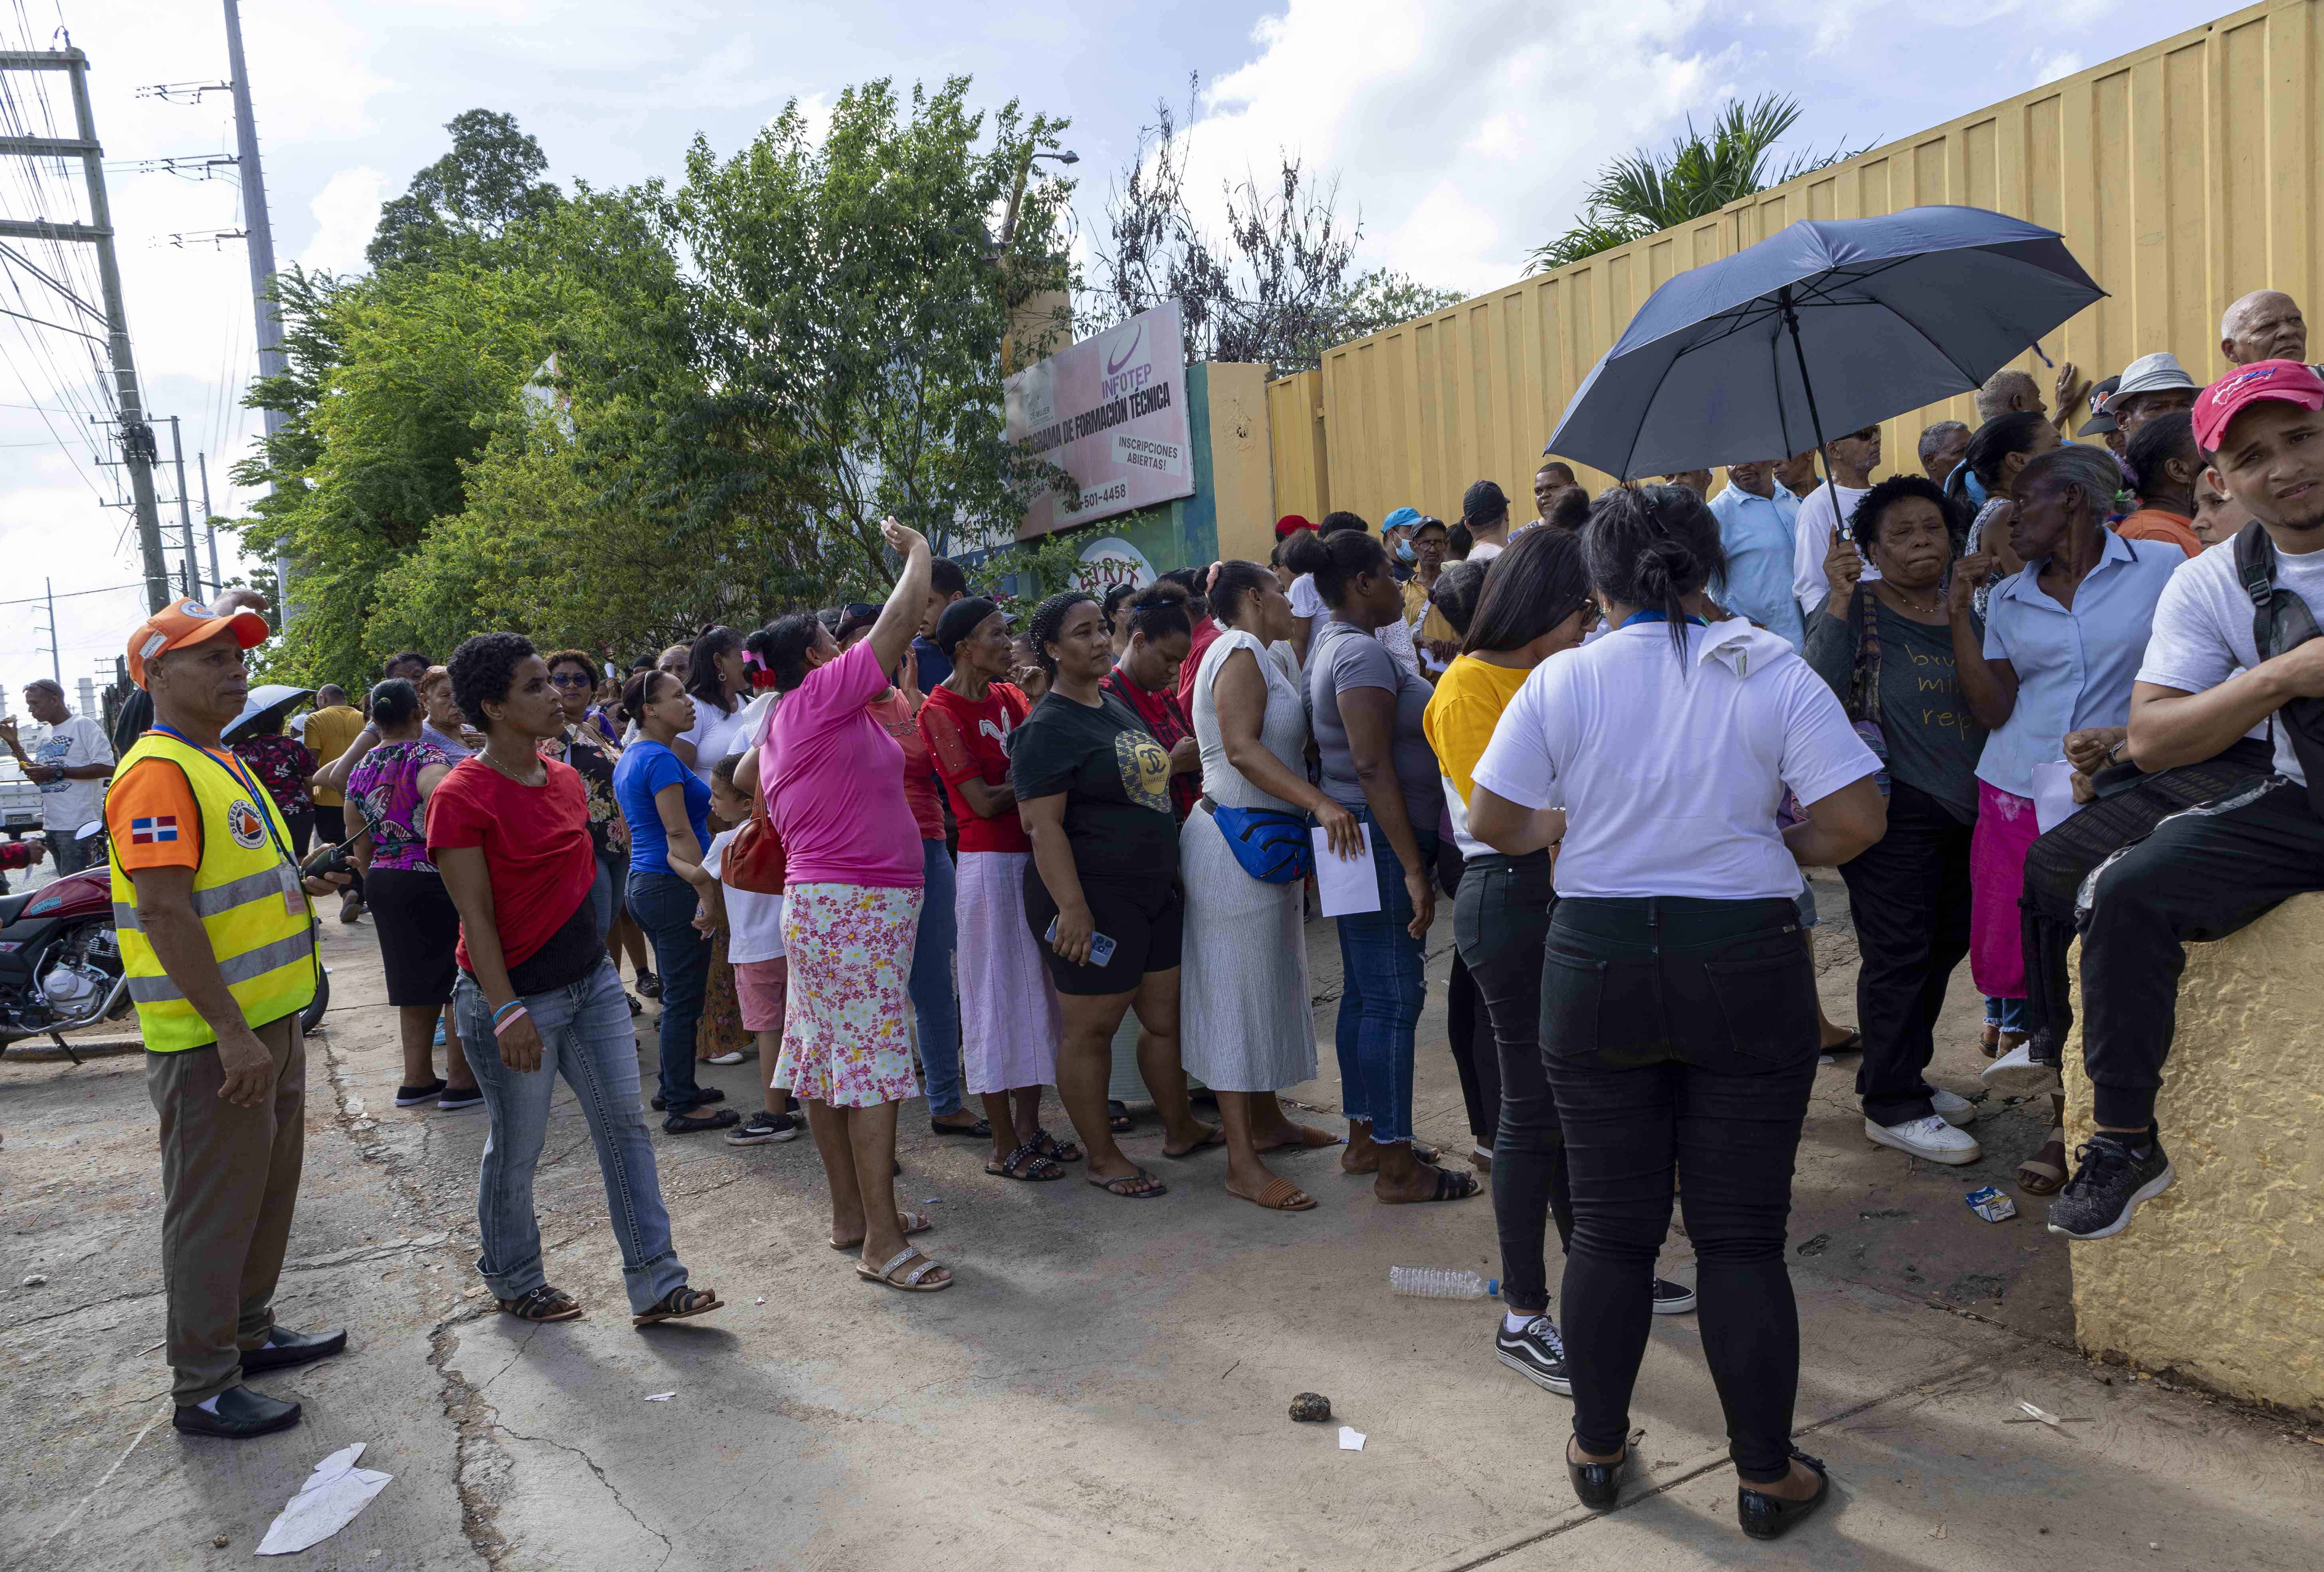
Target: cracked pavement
(1106, 1385)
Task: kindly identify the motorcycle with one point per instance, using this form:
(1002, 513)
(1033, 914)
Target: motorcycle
(60, 966)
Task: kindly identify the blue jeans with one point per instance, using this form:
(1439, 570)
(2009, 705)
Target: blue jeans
(585, 1036)
(610, 894)
(935, 1006)
(2009, 1015)
(663, 904)
(1383, 972)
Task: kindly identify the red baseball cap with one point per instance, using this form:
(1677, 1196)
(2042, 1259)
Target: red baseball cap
(184, 622)
(1289, 525)
(2287, 379)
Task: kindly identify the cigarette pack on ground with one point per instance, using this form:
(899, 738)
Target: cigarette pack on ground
(1991, 1205)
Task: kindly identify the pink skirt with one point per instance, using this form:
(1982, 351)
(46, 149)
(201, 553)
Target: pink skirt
(2005, 828)
(850, 949)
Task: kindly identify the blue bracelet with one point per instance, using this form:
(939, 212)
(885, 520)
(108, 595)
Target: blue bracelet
(515, 1003)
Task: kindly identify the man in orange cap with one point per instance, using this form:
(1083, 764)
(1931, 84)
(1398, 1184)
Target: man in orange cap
(219, 944)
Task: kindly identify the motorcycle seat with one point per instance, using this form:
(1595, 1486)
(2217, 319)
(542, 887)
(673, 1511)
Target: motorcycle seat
(13, 907)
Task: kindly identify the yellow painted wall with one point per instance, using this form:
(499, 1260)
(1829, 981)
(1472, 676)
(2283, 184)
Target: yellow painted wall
(2222, 1275)
(2181, 176)
(1242, 474)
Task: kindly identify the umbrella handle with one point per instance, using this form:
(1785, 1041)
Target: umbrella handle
(1815, 421)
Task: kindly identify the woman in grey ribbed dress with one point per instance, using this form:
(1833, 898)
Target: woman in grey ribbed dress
(1246, 1024)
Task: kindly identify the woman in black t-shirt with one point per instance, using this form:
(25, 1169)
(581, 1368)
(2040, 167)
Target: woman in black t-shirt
(1101, 892)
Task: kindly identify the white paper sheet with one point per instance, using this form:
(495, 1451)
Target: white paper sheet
(1345, 886)
(1350, 1441)
(329, 1501)
(2053, 794)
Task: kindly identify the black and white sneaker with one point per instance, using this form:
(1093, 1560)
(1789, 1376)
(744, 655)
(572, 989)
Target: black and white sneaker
(2111, 1179)
(763, 1127)
(1536, 1352)
(1672, 1299)
(412, 1096)
(457, 1097)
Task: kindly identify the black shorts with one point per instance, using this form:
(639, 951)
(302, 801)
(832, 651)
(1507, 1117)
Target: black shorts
(1146, 923)
(418, 927)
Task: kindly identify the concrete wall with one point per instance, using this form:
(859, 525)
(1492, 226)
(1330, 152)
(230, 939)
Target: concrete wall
(2222, 1276)
(2181, 176)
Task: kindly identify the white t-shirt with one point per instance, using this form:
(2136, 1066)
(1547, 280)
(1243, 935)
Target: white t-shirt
(1812, 534)
(1485, 551)
(1670, 776)
(67, 804)
(1306, 600)
(714, 736)
(754, 922)
(2202, 632)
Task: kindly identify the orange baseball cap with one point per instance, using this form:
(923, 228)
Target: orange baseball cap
(184, 622)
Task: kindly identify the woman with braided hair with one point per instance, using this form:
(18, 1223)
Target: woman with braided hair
(1102, 893)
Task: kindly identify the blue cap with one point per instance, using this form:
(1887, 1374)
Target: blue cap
(1398, 520)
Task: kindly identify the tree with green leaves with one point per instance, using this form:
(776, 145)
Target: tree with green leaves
(489, 182)
(1644, 192)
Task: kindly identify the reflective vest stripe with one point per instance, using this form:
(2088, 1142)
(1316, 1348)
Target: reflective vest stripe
(211, 902)
(246, 967)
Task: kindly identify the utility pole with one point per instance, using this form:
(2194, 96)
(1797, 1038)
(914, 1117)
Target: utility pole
(56, 657)
(261, 246)
(136, 435)
(185, 514)
(210, 520)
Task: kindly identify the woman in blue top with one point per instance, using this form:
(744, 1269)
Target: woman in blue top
(668, 812)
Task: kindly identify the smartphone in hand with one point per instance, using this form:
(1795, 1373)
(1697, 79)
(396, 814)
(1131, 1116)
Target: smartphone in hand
(1100, 947)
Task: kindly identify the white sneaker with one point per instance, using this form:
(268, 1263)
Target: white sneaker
(1931, 1138)
(2014, 1074)
(734, 1056)
(1952, 1107)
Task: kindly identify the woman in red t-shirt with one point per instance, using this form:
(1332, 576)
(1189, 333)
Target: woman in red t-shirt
(537, 996)
(1009, 1011)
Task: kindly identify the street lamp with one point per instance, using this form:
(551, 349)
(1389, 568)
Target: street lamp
(1016, 191)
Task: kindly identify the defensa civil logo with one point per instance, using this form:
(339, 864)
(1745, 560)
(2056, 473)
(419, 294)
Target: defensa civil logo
(245, 824)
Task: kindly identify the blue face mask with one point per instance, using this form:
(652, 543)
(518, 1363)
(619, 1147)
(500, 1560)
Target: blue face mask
(1404, 551)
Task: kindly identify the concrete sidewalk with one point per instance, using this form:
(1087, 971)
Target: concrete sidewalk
(1107, 1385)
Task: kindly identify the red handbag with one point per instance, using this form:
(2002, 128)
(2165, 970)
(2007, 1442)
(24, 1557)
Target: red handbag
(754, 860)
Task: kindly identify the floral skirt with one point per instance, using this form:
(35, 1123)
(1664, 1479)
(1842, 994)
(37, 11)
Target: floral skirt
(720, 1030)
(850, 947)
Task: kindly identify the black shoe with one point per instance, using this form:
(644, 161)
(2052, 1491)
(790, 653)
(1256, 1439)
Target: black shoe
(649, 985)
(287, 1349)
(694, 1124)
(2111, 1178)
(241, 1415)
(351, 907)
(1596, 1485)
(763, 1127)
(411, 1096)
(702, 1094)
(1771, 1517)
(635, 1008)
(1672, 1299)
(1536, 1352)
(456, 1098)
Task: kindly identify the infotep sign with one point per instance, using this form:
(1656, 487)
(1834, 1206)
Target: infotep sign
(1111, 411)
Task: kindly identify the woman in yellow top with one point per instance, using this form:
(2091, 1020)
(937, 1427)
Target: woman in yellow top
(1535, 603)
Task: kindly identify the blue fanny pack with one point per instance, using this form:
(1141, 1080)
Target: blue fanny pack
(1271, 846)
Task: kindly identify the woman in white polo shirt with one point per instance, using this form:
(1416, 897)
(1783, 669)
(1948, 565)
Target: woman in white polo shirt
(1678, 1006)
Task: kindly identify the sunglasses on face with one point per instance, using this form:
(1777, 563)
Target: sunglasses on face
(572, 680)
(858, 612)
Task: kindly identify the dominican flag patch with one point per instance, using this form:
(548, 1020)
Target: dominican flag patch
(146, 831)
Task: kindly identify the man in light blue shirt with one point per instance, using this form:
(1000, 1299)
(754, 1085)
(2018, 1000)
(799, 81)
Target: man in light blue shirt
(1755, 519)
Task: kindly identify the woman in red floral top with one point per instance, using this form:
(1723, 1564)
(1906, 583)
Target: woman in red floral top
(283, 764)
(1146, 678)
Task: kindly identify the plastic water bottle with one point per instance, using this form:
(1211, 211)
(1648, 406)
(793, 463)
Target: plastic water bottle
(1440, 1282)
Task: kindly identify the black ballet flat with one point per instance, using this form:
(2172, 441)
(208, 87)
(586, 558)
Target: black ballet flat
(1771, 1517)
(1597, 1486)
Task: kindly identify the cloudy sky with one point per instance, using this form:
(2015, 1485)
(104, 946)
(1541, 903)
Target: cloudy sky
(1464, 130)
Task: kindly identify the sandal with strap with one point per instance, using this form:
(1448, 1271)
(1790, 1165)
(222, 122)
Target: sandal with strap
(1027, 1162)
(542, 1304)
(910, 1222)
(677, 1304)
(1449, 1186)
(1114, 1186)
(980, 1130)
(1055, 1150)
(912, 1280)
(1117, 1115)
(2044, 1173)
(1279, 1196)
(1216, 1137)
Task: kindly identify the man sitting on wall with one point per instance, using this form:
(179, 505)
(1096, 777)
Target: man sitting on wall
(2233, 652)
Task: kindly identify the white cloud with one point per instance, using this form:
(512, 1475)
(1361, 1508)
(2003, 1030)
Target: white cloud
(346, 213)
(2049, 67)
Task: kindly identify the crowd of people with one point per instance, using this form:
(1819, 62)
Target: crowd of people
(919, 850)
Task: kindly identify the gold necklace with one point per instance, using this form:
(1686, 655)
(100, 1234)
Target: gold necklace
(1935, 603)
(486, 754)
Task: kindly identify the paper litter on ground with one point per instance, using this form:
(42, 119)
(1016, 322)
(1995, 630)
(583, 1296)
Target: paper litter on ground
(659, 1396)
(329, 1501)
(1351, 1439)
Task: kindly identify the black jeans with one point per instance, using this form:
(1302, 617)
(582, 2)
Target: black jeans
(1681, 1041)
(2200, 876)
(1909, 894)
(1501, 919)
(1481, 1077)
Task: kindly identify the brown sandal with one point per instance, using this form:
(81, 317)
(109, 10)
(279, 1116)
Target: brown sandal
(677, 1304)
(542, 1304)
(910, 1222)
(1279, 1196)
(2044, 1173)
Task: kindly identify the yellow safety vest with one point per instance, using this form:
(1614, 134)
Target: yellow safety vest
(247, 893)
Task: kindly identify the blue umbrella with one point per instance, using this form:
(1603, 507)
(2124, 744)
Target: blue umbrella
(1892, 314)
